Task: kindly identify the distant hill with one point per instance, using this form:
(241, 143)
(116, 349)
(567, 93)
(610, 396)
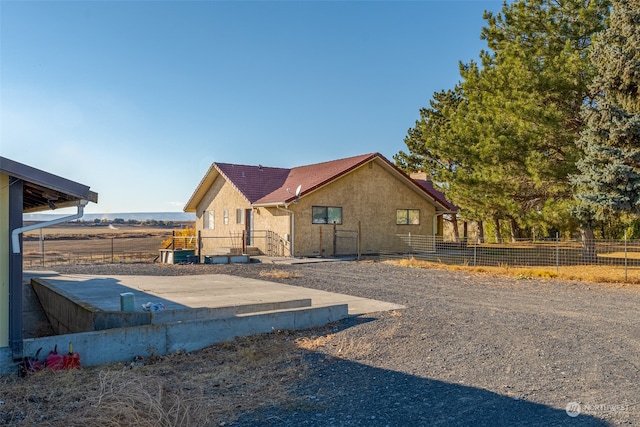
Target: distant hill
(138, 216)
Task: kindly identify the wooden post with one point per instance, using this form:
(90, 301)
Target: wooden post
(244, 242)
(200, 246)
(335, 239)
(359, 240)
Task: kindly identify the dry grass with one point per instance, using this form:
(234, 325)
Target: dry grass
(207, 387)
(337, 345)
(314, 343)
(276, 273)
(66, 231)
(587, 273)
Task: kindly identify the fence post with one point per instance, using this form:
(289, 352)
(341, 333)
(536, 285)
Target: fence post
(335, 239)
(475, 252)
(200, 245)
(557, 251)
(244, 242)
(112, 239)
(359, 241)
(42, 247)
(410, 246)
(626, 277)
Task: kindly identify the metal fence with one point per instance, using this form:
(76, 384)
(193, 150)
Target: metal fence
(104, 250)
(263, 242)
(552, 255)
(621, 257)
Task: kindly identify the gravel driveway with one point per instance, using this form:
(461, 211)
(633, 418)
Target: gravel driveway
(468, 350)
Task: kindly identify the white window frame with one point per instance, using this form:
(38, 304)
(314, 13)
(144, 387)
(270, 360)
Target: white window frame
(208, 220)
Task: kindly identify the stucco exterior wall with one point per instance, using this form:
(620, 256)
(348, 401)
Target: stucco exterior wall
(275, 221)
(4, 260)
(220, 197)
(369, 197)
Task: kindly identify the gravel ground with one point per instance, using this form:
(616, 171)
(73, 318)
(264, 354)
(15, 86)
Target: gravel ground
(468, 349)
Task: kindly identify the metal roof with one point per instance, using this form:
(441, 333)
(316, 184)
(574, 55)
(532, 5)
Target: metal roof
(43, 190)
(266, 186)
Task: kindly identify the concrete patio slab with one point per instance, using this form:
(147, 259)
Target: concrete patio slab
(217, 304)
(198, 291)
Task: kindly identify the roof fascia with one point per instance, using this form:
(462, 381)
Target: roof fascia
(49, 181)
(204, 184)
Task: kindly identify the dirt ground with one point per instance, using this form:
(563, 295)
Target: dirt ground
(469, 349)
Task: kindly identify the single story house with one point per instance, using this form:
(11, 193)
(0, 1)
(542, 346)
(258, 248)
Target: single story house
(26, 189)
(357, 205)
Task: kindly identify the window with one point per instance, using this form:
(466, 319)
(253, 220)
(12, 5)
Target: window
(407, 216)
(225, 216)
(239, 216)
(207, 220)
(326, 215)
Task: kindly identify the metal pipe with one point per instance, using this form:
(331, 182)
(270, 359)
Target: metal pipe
(15, 240)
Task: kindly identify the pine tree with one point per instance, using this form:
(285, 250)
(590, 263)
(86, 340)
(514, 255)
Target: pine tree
(609, 179)
(502, 144)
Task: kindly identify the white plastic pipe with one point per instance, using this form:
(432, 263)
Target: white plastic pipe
(15, 241)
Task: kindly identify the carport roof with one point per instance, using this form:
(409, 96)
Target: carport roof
(41, 188)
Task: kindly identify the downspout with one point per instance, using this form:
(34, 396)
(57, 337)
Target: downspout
(15, 241)
(293, 216)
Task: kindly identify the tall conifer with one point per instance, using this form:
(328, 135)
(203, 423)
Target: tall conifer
(609, 178)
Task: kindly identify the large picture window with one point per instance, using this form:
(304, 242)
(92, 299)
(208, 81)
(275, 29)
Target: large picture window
(326, 215)
(408, 216)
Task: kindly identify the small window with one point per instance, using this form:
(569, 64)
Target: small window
(239, 216)
(326, 215)
(208, 220)
(408, 216)
(225, 217)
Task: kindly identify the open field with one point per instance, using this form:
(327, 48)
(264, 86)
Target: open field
(96, 231)
(469, 349)
(93, 244)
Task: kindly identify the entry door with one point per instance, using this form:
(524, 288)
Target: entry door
(248, 226)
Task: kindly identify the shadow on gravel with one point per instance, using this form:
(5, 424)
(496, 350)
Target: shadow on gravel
(340, 392)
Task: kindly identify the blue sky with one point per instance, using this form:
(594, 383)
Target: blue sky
(137, 99)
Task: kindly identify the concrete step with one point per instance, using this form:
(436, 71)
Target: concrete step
(253, 251)
(249, 250)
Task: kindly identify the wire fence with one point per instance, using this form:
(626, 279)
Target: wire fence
(621, 256)
(104, 250)
(609, 258)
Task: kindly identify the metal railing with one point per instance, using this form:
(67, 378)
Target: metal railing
(257, 242)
